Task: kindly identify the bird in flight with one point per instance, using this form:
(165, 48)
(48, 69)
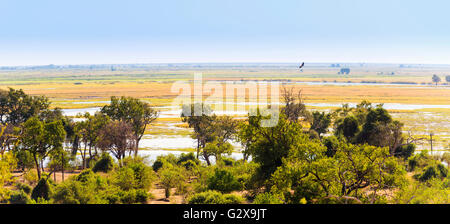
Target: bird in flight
(301, 66)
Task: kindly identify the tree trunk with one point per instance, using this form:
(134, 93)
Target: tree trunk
(205, 155)
(62, 167)
(136, 147)
(38, 168)
(198, 148)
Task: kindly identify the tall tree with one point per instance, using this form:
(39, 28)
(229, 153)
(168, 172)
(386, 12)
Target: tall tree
(16, 106)
(294, 107)
(118, 138)
(41, 138)
(88, 132)
(321, 122)
(436, 79)
(199, 117)
(269, 145)
(223, 129)
(133, 111)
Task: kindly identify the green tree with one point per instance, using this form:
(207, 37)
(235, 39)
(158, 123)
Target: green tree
(88, 132)
(223, 181)
(41, 190)
(223, 129)
(271, 144)
(436, 79)
(348, 128)
(41, 138)
(16, 107)
(133, 111)
(321, 122)
(7, 164)
(314, 176)
(171, 176)
(199, 117)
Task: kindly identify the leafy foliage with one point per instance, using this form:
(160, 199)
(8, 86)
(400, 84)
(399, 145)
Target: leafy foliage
(223, 181)
(214, 197)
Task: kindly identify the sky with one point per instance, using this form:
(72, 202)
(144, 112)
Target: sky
(193, 31)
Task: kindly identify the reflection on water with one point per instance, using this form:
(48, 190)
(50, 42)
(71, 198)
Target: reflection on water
(75, 112)
(151, 155)
(172, 142)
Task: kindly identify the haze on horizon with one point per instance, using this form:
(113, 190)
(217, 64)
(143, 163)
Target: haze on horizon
(175, 31)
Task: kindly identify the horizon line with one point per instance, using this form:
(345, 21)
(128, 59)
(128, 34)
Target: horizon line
(223, 62)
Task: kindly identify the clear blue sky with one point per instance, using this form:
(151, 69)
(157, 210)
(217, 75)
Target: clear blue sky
(147, 31)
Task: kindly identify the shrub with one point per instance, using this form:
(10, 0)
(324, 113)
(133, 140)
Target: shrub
(268, 198)
(124, 178)
(405, 151)
(432, 171)
(228, 161)
(42, 190)
(223, 181)
(85, 188)
(189, 165)
(331, 143)
(141, 196)
(85, 176)
(214, 197)
(143, 175)
(24, 187)
(184, 157)
(105, 164)
(420, 160)
(171, 176)
(19, 197)
(161, 160)
(135, 175)
(127, 197)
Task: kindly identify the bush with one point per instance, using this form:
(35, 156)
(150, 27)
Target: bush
(228, 161)
(267, 198)
(124, 178)
(42, 190)
(105, 164)
(127, 197)
(143, 175)
(24, 187)
(432, 171)
(420, 160)
(141, 196)
(189, 165)
(331, 143)
(214, 197)
(85, 176)
(184, 157)
(405, 151)
(135, 175)
(161, 160)
(86, 188)
(19, 197)
(171, 176)
(223, 181)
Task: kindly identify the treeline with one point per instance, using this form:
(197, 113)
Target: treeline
(349, 155)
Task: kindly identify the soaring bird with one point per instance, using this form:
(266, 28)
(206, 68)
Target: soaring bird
(301, 66)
